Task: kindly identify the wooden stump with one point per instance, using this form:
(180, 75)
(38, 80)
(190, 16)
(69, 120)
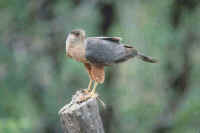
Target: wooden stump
(81, 116)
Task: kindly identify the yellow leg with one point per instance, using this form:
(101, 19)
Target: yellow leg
(94, 88)
(89, 86)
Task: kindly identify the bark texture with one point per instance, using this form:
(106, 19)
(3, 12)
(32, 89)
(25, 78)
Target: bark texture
(81, 116)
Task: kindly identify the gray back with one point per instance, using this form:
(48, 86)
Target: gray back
(106, 52)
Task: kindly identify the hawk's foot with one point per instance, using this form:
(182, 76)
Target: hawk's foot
(93, 95)
(87, 95)
(86, 91)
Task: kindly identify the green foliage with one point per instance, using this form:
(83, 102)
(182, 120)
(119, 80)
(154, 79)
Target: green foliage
(37, 79)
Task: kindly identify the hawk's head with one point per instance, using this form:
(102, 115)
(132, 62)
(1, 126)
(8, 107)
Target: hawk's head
(76, 36)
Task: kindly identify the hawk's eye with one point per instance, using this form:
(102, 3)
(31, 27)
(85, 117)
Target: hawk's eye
(77, 33)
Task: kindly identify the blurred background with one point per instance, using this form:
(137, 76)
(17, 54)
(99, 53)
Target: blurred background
(37, 79)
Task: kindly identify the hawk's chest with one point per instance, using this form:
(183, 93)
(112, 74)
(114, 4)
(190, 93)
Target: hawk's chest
(77, 52)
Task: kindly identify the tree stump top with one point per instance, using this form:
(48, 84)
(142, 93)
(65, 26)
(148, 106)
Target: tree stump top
(81, 116)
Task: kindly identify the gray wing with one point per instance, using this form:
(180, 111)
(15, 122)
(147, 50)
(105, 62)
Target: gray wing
(114, 39)
(107, 52)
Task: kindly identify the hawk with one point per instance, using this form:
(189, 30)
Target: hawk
(97, 52)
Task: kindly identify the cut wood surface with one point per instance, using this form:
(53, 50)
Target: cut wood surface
(81, 116)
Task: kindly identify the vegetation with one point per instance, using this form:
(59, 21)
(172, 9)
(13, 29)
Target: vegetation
(37, 79)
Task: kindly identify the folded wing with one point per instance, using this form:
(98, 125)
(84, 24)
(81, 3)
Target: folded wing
(113, 39)
(107, 51)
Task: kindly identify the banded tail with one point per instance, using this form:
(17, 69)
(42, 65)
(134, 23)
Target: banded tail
(146, 58)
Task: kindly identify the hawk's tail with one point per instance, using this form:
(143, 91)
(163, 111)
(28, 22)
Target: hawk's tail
(146, 58)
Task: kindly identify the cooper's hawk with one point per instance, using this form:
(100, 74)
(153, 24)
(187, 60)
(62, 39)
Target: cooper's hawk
(97, 52)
